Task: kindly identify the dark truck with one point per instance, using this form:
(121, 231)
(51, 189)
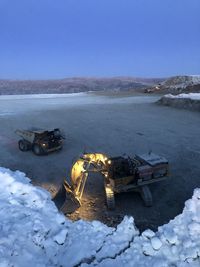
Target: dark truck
(41, 142)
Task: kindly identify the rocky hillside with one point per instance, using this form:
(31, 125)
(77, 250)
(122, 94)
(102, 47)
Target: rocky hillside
(73, 85)
(189, 101)
(174, 85)
(177, 84)
(181, 82)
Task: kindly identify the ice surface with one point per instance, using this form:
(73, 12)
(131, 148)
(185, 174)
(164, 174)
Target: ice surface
(34, 233)
(13, 105)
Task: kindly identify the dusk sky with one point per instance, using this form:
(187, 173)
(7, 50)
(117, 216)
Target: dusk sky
(57, 39)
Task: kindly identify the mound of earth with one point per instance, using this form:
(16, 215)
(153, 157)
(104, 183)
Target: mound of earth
(189, 101)
(177, 85)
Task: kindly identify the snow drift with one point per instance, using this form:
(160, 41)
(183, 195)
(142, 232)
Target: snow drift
(34, 233)
(192, 96)
(189, 101)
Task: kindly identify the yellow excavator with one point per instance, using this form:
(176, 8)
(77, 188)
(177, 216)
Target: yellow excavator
(120, 174)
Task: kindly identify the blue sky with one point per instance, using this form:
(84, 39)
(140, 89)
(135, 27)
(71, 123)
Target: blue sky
(63, 38)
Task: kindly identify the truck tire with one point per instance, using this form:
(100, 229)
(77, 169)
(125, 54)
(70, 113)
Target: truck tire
(23, 145)
(146, 196)
(110, 198)
(37, 150)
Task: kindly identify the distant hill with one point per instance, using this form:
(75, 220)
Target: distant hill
(177, 85)
(181, 82)
(74, 85)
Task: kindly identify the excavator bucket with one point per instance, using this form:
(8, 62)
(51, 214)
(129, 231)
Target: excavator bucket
(65, 200)
(78, 177)
(68, 198)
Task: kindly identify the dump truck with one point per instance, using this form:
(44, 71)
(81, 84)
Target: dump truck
(120, 174)
(41, 142)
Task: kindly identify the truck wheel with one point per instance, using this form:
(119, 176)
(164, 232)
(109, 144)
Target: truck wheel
(23, 145)
(146, 196)
(110, 198)
(37, 150)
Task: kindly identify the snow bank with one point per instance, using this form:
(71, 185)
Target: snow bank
(40, 96)
(189, 101)
(34, 233)
(193, 96)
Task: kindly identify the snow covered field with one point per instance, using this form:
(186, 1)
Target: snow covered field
(34, 233)
(18, 104)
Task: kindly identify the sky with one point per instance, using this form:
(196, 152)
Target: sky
(49, 39)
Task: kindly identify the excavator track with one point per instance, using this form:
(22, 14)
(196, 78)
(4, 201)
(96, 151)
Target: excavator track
(110, 197)
(146, 196)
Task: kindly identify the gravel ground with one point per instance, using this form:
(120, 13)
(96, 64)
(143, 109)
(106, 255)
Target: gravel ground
(114, 125)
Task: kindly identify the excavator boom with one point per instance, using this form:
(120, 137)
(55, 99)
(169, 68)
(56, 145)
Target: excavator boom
(73, 192)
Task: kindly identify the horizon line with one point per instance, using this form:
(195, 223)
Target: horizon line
(95, 77)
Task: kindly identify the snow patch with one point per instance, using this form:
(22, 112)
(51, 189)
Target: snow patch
(192, 96)
(40, 96)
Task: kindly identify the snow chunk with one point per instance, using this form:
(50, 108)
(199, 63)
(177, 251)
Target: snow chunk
(61, 237)
(171, 236)
(148, 249)
(156, 243)
(148, 233)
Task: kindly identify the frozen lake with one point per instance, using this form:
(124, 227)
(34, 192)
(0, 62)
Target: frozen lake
(12, 104)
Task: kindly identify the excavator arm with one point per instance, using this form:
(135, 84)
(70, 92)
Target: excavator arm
(73, 191)
(85, 164)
